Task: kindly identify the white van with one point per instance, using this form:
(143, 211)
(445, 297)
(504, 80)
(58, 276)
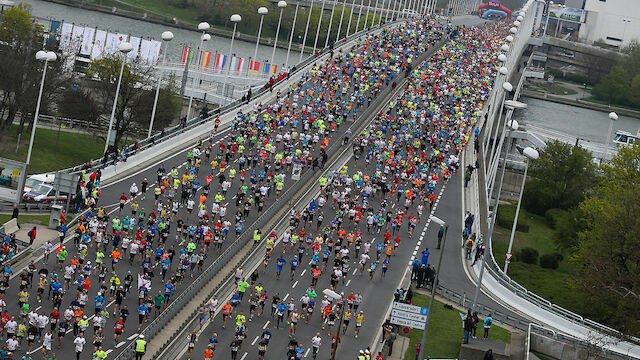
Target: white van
(34, 181)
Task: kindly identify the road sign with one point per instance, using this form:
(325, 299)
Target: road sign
(409, 315)
(509, 256)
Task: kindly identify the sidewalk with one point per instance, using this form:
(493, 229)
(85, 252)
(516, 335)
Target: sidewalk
(499, 292)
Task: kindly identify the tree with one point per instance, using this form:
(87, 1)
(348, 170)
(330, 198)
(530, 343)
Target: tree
(609, 245)
(614, 87)
(20, 72)
(134, 100)
(568, 225)
(169, 106)
(560, 178)
(79, 104)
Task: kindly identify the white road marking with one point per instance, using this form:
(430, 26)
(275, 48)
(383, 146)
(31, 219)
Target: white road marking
(120, 344)
(254, 340)
(132, 336)
(266, 324)
(244, 356)
(285, 297)
(108, 351)
(294, 284)
(303, 271)
(307, 352)
(348, 282)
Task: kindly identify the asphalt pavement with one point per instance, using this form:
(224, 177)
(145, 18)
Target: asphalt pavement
(110, 198)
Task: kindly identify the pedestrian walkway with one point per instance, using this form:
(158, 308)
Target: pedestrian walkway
(495, 288)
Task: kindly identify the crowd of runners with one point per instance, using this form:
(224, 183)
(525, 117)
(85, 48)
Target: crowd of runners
(134, 256)
(365, 209)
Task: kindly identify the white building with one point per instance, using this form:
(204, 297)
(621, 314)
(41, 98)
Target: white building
(616, 22)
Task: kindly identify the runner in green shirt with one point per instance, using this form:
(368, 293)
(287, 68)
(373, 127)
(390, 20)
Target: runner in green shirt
(158, 300)
(242, 287)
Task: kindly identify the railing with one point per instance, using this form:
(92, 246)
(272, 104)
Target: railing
(171, 132)
(284, 202)
(523, 324)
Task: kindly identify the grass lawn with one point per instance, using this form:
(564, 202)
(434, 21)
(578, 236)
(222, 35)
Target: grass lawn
(606, 104)
(187, 14)
(35, 219)
(554, 285)
(50, 152)
(557, 89)
(445, 332)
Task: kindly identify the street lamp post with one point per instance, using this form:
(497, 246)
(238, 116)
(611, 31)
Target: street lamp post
(434, 285)
(507, 87)
(359, 15)
(203, 26)
(492, 103)
(306, 31)
(166, 37)
(335, 296)
(45, 56)
(366, 16)
(196, 78)
(235, 19)
(344, 5)
(512, 125)
(333, 9)
(293, 28)
(375, 10)
(613, 117)
(124, 48)
(281, 4)
(315, 42)
(262, 11)
(353, 8)
(529, 154)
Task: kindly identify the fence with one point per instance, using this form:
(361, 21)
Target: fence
(283, 203)
(171, 132)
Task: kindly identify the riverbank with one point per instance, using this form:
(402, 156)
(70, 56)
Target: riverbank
(581, 103)
(135, 13)
(571, 94)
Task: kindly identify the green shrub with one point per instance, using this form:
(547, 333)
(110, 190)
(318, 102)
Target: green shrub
(549, 261)
(574, 77)
(552, 215)
(529, 255)
(506, 213)
(558, 256)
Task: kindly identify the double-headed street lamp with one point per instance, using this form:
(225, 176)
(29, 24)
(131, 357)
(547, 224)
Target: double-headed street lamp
(235, 19)
(45, 56)
(166, 37)
(529, 154)
(124, 48)
(442, 223)
(262, 11)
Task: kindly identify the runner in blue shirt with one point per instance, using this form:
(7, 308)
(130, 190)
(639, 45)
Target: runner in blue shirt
(280, 262)
(143, 310)
(294, 265)
(168, 290)
(282, 307)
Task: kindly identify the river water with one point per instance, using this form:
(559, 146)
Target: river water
(586, 124)
(119, 24)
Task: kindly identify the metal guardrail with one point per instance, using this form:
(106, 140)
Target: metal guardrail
(283, 203)
(196, 121)
(524, 325)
